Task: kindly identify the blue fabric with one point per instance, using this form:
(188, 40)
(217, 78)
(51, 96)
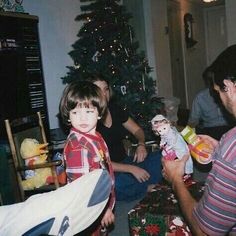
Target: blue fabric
(41, 229)
(128, 188)
(102, 189)
(206, 112)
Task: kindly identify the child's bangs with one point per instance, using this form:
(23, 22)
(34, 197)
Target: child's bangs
(85, 104)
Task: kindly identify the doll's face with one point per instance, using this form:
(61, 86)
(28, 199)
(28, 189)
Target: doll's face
(161, 127)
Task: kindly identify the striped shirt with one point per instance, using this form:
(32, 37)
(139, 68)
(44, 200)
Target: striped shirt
(216, 211)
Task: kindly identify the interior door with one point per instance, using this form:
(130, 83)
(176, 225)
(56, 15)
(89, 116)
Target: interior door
(216, 32)
(175, 39)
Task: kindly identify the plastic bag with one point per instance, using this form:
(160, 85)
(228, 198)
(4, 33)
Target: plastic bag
(171, 108)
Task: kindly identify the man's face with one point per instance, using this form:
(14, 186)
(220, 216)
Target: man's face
(105, 88)
(226, 96)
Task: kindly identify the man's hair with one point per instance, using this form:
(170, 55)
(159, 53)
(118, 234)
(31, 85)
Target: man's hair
(224, 67)
(84, 93)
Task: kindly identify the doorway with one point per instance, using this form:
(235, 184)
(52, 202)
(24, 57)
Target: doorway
(176, 52)
(216, 31)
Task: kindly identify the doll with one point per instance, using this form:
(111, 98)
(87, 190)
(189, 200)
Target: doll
(172, 143)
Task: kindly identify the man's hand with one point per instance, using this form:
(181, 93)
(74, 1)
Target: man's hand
(209, 140)
(174, 170)
(140, 174)
(140, 153)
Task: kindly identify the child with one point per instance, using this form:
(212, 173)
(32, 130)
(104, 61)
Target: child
(81, 105)
(172, 143)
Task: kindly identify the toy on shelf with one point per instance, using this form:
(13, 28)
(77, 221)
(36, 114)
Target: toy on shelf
(172, 143)
(35, 153)
(200, 151)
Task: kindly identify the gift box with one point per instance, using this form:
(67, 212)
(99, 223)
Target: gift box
(159, 214)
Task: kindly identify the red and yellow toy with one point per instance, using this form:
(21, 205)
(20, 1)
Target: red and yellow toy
(35, 153)
(199, 150)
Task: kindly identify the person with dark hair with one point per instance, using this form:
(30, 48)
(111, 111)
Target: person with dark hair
(81, 106)
(207, 115)
(134, 175)
(215, 213)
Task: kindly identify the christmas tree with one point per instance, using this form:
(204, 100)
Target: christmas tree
(106, 45)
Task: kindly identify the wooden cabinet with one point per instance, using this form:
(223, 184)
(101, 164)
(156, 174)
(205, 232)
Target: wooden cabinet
(22, 90)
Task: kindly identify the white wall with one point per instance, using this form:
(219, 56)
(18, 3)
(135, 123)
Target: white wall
(195, 57)
(230, 7)
(157, 44)
(57, 31)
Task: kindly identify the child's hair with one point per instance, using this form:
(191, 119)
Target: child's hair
(84, 94)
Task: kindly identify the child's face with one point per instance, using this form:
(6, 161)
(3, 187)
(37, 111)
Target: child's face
(84, 119)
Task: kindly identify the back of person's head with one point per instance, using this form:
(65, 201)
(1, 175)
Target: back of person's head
(83, 93)
(224, 67)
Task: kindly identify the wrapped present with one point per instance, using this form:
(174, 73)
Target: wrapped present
(158, 214)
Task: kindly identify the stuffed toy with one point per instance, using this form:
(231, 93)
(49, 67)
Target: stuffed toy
(35, 153)
(172, 143)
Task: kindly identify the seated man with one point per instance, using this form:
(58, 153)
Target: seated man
(207, 114)
(215, 213)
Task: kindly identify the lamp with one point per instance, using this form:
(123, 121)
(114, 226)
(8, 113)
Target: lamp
(209, 0)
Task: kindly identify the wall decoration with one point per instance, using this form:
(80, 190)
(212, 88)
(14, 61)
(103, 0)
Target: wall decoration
(188, 27)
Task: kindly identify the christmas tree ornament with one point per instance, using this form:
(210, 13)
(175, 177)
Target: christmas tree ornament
(96, 55)
(130, 35)
(143, 81)
(123, 89)
(76, 66)
(126, 51)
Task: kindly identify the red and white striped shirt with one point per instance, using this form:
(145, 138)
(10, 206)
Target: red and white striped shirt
(216, 211)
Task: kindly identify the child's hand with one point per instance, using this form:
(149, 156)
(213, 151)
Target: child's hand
(108, 218)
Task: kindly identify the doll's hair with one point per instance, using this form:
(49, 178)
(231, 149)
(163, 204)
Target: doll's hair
(159, 119)
(83, 94)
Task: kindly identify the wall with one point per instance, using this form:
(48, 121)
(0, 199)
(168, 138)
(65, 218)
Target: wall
(158, 46)
(57, 30)
(230, 6)
(194, 58)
